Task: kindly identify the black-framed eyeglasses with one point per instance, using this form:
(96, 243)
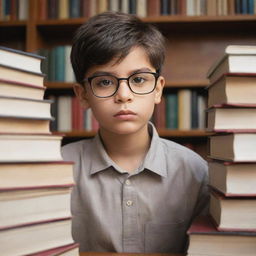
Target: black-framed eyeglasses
(104, 86)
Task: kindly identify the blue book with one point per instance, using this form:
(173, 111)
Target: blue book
(132, 6)
(74, 8)
(251, 7)
(244, 6)
(165, 7)
(59, 63)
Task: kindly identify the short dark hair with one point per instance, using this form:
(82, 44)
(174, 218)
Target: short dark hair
(113, 34)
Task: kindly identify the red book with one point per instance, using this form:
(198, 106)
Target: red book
(77, 114)
(36, 237)
(71, 249)
(205, 239)
(153, 8)
(42, 9)
(30, 206)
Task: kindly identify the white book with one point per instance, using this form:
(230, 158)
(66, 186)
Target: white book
(142, 8)
(35, 238)
(114, 5)
(23, 9)
(30, 148)
(20, 60)
(125, 6)
(24, 107)
(64, 110)
(201, 111)
(69, 74)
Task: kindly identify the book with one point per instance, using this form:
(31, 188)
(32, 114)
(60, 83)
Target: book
(64, 110)
(30, 239)
(23, 107)
(23, 9)
(32, 148)
(68, 73)
(114, 5)
(172, 111)
(153, 7)
(21, 60)
(194, 110)
(63, 11)
(23, 206)
(19, 75)
(22, 90)
(77, 115)
(233, 213)
(54, 112)
(236, 59)
(233, 179)
(205, 239)
(201, 101)
(24, 125)
(237, 147)
(132, 7)
(66, 250)
(184, 109)
(59, 63)
(227, 117)
(141, 8)
(234, 88)
(21, 175)
(165, 7)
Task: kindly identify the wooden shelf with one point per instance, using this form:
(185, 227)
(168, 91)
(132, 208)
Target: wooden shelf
(17, 23)
(190, 19)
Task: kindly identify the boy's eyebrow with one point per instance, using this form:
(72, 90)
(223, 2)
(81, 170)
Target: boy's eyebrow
(104, 73)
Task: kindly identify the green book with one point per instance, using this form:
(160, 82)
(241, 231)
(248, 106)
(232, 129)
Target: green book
(172, 111)
(60, 63)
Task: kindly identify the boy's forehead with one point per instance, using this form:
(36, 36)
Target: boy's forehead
(136, 60)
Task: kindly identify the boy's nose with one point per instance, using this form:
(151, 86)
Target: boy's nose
(123, 93)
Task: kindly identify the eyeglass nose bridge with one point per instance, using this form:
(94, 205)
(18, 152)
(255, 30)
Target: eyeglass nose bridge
(125, 79)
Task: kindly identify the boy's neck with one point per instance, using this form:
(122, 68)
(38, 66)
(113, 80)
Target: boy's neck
(127, 151)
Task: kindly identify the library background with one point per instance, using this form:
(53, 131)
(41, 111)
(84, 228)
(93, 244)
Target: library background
(197, 33)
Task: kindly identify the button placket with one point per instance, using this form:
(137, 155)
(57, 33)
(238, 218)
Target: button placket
(130, 222)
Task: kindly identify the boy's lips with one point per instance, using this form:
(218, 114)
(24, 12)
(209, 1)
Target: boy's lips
(125, 114)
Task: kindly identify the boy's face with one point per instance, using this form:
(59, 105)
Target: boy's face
(124, 112)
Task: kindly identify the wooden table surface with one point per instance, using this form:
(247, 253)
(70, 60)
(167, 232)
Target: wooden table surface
(127, 254)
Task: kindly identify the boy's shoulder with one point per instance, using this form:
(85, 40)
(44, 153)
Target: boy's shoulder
(74, 150)
(182, 157)
(179, 150)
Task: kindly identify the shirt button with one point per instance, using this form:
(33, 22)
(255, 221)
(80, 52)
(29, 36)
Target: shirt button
(127, 182)
(129, 202)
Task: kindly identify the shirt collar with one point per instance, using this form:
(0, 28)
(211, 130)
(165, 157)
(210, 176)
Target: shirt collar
(154, 160)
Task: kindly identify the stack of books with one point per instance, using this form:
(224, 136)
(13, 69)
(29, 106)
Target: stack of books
(35, 182)
(231, 227)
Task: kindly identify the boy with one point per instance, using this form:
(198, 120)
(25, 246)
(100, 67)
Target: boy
(135, 192)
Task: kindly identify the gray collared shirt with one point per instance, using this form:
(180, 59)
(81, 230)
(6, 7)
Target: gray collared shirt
(146, 211)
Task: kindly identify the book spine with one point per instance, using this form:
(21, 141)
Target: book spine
(172, 111)
(153, 8)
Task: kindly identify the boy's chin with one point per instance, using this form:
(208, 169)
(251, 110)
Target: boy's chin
(126, 128)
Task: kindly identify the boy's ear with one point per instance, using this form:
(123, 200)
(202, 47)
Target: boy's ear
(159, 89)
(81, 94)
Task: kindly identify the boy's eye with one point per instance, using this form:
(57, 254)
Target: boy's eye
(138, 80)
(104, 82)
